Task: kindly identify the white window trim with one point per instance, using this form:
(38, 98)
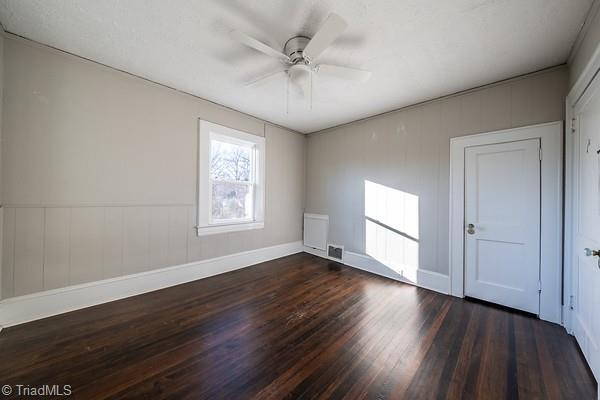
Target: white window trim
(205, 226)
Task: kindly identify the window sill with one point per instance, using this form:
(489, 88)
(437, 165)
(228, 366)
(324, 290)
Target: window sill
(215, 229)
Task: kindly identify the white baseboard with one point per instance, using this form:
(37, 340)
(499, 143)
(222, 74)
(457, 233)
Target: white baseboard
(425, 279)
(18, 310)
(588, 344)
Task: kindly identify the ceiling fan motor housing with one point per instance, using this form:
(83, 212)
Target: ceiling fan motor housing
(294, 49)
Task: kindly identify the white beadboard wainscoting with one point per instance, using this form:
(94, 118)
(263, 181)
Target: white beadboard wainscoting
(21, 309)
(53, 247)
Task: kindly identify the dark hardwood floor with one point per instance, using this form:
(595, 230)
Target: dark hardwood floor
(294, 328)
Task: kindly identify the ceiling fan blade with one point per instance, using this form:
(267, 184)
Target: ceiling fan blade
(263, 77)
(344, 72)
(258, 45)
(329, 31)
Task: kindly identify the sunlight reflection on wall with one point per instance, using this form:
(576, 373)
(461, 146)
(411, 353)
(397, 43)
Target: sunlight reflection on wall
(392, 228)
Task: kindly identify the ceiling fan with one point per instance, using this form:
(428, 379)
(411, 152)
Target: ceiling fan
(300, 53)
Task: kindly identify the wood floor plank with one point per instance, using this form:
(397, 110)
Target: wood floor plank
(295, 328)
(530, 386)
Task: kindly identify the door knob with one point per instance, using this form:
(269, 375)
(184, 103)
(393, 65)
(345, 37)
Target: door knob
(471, 229)
(593, 253)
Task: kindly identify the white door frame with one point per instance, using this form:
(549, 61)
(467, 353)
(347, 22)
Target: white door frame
(551, 139)
(571, 173)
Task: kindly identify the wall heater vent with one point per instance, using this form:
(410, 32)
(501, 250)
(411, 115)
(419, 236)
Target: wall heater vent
(335, 252)
(316, 228)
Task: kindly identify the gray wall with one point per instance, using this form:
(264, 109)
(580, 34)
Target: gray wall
(408, 151)
(99, 174)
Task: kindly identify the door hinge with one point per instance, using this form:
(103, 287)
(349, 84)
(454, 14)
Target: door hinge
(573, 125)
(541, 155)
(571, 302)
(539, 286)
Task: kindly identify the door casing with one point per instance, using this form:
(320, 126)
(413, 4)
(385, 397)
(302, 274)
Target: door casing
(571, 159)
(584, 87)
(551, 139)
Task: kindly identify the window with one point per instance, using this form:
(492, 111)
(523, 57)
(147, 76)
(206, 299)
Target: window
(231, 180)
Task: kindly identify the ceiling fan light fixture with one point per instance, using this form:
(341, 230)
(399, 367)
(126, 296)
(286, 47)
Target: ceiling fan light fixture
(299, 74)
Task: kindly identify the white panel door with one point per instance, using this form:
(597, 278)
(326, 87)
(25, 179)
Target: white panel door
(586, 235)
(502, 223)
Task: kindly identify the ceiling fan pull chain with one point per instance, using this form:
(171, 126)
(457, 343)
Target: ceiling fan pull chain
(287, 95)
(311, 89)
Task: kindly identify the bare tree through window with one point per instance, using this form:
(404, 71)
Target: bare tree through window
(231, 173)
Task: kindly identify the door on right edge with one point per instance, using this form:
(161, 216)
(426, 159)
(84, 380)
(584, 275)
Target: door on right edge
(502, 223)
(586, 227)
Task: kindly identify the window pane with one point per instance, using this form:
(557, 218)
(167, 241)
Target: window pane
(231, 201)
(230, 162)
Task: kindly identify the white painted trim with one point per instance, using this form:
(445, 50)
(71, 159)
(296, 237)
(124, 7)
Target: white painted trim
(317, 216)
(584, 338)
(206, 132)
(589, 19)
(425, 279)
(551, 138)
(586, 77)
(575, 94)
(214, 229)
(18, 310)
(569, 217)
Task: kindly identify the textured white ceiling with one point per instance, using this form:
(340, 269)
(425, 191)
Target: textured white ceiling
(417, 49)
